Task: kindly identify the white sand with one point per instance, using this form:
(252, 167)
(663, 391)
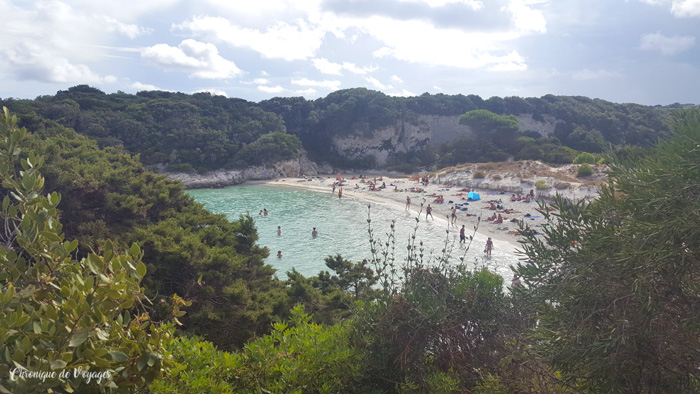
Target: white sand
(504, 234)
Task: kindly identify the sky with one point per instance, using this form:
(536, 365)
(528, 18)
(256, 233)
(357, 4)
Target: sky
(625, 51)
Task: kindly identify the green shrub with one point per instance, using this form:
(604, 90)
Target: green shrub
(478, 174)
(542, 185)
(585, 157)
(58, 314)
(584, 170)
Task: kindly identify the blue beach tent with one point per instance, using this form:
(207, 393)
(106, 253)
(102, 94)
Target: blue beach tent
(473, 196)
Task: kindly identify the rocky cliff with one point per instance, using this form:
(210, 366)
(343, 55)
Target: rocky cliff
(412, 134)
(222, 177)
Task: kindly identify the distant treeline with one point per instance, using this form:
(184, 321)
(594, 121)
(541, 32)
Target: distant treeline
(204, 132)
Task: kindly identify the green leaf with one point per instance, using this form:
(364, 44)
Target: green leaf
(141, 269)
(58, 364)
(78, 338)
(135, 250)
(118, 356)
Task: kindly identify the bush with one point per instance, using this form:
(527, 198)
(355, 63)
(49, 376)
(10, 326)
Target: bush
(562, 185)
(585, 157)
(584, 170)
(497, 177)
(542, 185)
(58, 314)
(478, 174)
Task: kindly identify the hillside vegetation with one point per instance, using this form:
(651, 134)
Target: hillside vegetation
(204, 132)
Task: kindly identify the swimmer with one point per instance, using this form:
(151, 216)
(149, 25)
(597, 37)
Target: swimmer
(279, 254)
(314, 233)
(489, 247)
(264, 212)
(279, 230)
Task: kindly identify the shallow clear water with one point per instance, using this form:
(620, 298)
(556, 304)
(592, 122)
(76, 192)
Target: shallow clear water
(342, 228)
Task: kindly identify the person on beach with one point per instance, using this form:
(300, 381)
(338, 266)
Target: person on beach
(429, 211)
(454, 214)
(314, 233)
(489, 247)
(279, 254)
(279, 230)
(408, 203)
(462, 237)
(516, 282)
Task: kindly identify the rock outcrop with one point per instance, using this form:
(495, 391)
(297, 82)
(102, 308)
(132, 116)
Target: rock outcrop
(423, 130)
(223, 178)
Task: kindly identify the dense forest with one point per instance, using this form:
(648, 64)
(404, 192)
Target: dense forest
(108, 267)
(203, 132)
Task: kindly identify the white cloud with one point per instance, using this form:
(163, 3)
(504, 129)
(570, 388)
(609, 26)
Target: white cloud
(526, 18)
(289, 41)
(331, 85)
(437, 88)
(439, 3)
(306, 92)
(375, 83)
(353, 68)
(418, 42)
(588, 75)
(686, 8)
(138, 86)
(261, 81)
(402, 93)
(213, 92)
(129, 30)
(271, 89)
(668, 46)
(396, 79)
(327, 67)
(199, 59)
(33, 62)
(516, 65)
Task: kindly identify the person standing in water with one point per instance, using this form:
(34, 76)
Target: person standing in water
(408, 203)
(429, 211)
(340, 193)
(265, 212)
(279, 254)
(489, 247)
(314, 233)
(279, 230)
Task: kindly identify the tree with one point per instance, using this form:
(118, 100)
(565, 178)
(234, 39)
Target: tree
(357, 276)
(59, 315)
(615, 283)
(501, 130)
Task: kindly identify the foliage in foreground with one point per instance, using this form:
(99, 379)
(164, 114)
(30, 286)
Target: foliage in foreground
(615, 283)
(65, 324)
(296, 357)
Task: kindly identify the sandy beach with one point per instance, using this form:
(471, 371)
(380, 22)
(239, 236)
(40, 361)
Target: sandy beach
(504, 235)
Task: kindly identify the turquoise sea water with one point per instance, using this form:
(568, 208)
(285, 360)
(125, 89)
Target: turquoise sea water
(342, 228)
